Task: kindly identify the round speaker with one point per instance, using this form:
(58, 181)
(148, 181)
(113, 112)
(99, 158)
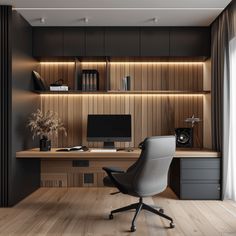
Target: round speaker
(184, 137)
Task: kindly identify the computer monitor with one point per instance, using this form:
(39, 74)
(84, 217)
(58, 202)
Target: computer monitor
(109, 128)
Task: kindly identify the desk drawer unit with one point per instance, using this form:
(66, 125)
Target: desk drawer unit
(196, 178)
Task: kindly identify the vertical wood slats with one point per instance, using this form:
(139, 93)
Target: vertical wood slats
(151, 114)
(5, 97)
(54, 72)
(182, 77)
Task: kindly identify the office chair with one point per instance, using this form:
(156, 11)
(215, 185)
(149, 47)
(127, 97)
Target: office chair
(146, 177)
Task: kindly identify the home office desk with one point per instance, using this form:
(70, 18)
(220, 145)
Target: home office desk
(194, 174)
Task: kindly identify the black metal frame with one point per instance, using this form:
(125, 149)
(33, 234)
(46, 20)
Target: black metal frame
(142, 206)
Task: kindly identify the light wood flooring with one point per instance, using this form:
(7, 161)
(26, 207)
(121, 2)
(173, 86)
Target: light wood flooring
(84, 211)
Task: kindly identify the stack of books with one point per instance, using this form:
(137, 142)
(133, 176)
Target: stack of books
(90, 80)
(126, 83)
(59, 88)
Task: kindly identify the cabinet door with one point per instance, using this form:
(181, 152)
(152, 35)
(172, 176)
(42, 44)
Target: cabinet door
(74, 41)
(155, 42)
(122, 42)
(94, 42)
(47, 42)
(190, 42)
(200, 191)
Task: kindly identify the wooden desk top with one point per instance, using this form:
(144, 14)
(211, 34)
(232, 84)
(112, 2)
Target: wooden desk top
(121, 155)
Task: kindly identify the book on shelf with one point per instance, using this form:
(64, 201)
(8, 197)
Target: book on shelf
(126, 83)
(90, 80)
(59, 88)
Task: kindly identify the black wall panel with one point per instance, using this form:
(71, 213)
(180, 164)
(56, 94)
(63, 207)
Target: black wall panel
(24, 175)
(5, 97)
(18, 178)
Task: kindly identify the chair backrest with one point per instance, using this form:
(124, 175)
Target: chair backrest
(150, 172)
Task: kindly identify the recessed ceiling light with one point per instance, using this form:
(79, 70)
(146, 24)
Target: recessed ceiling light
(42, 20)
(86, 20)
(155, 20)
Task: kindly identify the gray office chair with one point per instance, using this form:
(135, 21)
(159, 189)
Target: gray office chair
(146, 177)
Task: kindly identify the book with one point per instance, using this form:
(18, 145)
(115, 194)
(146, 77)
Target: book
(90, 80)
(126, 83)
(83, 82)
(59, 88)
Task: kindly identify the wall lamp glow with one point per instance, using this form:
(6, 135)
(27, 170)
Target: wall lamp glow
(122, 63)
(56, 63)
(122, 94)
(117, 8)
(144, 63)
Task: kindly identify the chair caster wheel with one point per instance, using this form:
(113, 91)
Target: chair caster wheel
(172, 225)
(161, 210)
(133, 228)
(110, 216)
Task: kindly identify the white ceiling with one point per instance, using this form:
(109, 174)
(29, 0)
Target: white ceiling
(119, 12)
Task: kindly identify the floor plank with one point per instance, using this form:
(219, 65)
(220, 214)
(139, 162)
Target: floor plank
(84, 212)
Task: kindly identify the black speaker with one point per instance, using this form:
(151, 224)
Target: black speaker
(184, 137)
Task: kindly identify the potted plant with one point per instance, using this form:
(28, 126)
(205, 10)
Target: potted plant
(44, 125)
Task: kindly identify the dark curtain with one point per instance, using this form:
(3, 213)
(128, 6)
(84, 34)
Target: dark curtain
(223, 30)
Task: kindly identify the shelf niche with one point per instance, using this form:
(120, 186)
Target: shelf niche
(150, 101)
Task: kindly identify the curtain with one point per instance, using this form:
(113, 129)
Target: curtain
(223, 96)
(230, 187)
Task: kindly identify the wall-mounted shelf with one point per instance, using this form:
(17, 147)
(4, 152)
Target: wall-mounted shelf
(160, 92)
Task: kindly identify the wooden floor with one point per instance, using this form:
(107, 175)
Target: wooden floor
(84, 211)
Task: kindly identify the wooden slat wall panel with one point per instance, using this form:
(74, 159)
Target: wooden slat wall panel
(54, 72)
(62, 173)
(69, 109)
(158, 76)
(151, 115)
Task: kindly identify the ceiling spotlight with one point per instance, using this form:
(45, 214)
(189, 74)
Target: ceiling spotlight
(86, 20)
(43, 20)
(155, 20)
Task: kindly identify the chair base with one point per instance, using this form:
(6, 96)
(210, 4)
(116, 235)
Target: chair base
(138, 207)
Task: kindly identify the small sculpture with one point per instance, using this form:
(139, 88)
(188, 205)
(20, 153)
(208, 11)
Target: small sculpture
(192, 120)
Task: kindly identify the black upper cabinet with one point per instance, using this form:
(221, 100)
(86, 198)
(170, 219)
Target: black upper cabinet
(74, 41)
(190, 42)
(47, 42)
(154, 42)
(94, 42)
(122, 42)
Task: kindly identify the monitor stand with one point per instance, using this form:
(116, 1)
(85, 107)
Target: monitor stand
(109, 145)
